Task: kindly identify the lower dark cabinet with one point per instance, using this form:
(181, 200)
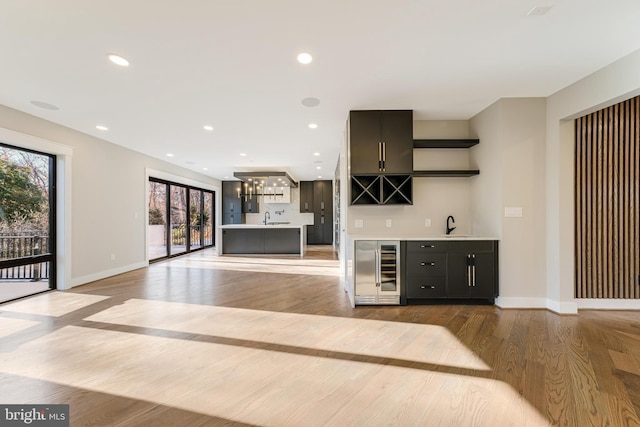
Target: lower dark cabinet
(243, 241)
(451, 269)
(261, 241)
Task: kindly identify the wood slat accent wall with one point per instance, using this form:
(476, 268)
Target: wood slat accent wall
(607, 210)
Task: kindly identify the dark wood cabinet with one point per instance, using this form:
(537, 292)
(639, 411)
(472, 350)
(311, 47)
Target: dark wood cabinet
(321, 232)
(381, 141)
(471, 269)
(306, 196)
(261, 241)
(381, 157)
(451, 269)
(231, 203)
(250, 204)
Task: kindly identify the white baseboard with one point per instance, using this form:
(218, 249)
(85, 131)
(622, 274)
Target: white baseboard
(562, 307)
(506, 302)
(108, 273)
(608, 304)
(537, 303)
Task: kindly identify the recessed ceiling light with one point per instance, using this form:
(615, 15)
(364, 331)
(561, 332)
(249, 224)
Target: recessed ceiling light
(118, 60)
(207, 127)
(316, 154)
(313, 126)
(169, 155)
(243, 154)
(320, 176)
(101, 127)
(304, 58)
(44, 105)
(311, 102)
(318, 167)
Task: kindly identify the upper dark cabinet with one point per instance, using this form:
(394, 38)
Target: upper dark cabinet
(306, 196)
(381, 142)
(231, 203)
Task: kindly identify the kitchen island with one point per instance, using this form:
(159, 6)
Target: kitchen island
(258, 239)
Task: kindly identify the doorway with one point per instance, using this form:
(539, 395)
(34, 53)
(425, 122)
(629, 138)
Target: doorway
(27, 222)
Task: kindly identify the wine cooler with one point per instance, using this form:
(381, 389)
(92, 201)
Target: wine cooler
(377, 272)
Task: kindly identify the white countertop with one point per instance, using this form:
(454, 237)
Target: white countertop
(261, 226)
(410, 238)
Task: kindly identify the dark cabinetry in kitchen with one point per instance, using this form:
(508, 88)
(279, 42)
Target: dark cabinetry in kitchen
(381, 156)
(317, 197)
(452, 269)
(472, 270)
(250, 204)
(231, 203)
(306, 196)
(381, 141)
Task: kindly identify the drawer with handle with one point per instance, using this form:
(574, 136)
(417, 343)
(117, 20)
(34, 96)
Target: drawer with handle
(426, 246)
(426, 287)
(428, 263)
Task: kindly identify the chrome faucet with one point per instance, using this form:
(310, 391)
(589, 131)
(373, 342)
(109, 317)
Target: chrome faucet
(449, 228)
(267, 215)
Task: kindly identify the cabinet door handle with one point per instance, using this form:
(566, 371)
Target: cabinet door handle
(322, 219)
(473, 270)
(430, 264)
(322, 205)
(469, 270)
(427, 287)
(306, 206)
(376, 256)
(427, 246)
(384, 155)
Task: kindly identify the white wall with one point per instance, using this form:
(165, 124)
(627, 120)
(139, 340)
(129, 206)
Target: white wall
(512, 148)
(108, 198)
(612, 84)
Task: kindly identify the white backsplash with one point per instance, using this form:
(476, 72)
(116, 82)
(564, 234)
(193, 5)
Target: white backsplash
(282, 212)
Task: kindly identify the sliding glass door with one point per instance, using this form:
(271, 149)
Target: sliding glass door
(27, 222)
(180, 219)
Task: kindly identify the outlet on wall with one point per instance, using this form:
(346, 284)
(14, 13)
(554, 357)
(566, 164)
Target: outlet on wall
(388, 223)
(113, 257)
(427, 222)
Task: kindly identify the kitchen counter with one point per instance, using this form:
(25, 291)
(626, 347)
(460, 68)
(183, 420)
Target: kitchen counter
(414, 238)
(260, 239)
(260, 226)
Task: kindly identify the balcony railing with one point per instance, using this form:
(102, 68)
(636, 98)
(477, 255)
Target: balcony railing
(20, 245)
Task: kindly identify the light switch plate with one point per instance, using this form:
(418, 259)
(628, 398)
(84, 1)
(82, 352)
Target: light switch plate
(427, 222)
(388, 223)
(513, 212)
(358, 223)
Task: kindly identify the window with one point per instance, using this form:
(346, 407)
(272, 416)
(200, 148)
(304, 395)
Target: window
(175, 226)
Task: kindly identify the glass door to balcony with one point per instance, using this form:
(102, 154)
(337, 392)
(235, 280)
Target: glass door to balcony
(27, 222)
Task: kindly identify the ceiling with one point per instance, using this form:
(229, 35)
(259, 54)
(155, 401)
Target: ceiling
(232, 65)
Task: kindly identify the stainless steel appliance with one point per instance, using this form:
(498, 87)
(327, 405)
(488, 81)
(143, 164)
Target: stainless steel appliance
(377, 272)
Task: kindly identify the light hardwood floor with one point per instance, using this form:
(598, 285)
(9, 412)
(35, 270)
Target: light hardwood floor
(204, 340)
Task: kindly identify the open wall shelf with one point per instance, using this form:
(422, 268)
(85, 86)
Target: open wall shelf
(445, 173)
(445, 143)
